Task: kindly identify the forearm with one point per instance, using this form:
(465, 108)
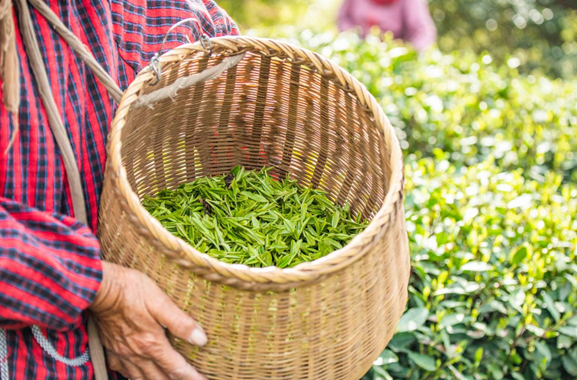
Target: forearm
(50, 268)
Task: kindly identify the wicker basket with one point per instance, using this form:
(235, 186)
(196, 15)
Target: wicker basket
(291, 109)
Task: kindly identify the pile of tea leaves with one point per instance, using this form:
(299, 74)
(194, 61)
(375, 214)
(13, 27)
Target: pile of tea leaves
(247, 217)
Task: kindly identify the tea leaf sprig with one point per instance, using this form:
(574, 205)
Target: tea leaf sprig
(247, 217)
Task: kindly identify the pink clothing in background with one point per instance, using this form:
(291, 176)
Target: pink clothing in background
(409, 20)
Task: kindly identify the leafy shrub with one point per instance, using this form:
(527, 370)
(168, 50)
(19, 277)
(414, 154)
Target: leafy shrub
(258, 13)
(492, 295)
(541, 33)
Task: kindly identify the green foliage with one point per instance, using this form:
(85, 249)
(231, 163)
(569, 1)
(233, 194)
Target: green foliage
(541, 33)
(247, 217)
(492, 294)
(259, 13)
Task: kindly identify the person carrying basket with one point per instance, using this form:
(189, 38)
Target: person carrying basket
(51, 273)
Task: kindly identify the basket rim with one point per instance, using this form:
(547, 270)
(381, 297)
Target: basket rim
(177, 250)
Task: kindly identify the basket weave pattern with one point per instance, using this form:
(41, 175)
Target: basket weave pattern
(292, 110)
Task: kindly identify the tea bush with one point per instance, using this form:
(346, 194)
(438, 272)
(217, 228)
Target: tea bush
(492, 294)
(541, 33)
(258, 13)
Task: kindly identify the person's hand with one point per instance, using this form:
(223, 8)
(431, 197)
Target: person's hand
(131, 312)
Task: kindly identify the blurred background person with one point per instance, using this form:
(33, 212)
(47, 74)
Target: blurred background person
(409, 20)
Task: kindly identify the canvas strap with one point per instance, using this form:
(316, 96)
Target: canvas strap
(95, 350)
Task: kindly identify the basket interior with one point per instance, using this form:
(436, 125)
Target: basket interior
(267, 111)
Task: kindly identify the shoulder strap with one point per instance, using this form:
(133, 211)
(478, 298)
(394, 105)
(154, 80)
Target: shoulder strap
(59, 132)
(56, 124)
(74, 42)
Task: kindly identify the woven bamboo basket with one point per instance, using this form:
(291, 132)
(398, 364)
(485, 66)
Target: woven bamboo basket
(287, 108)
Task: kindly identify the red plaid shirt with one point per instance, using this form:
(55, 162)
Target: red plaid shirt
(50, 267)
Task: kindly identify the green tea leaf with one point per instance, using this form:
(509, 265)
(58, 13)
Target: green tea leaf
(254, 197)
(424, 361)
(335, 219)
(413, 319)
(543, 349)
(551, 306)
(249, 218)
(570, 365)
(387, 357)
(519, 255)
(478, 355)
(569, 331)
(476, 266)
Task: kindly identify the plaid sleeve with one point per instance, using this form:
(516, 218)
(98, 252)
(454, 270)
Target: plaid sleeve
(139, 26)
(50, 268)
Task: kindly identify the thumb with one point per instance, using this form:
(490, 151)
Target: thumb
(177, 321)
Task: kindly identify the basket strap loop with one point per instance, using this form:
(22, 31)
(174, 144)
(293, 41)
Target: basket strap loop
(204, 40)
(181, 83)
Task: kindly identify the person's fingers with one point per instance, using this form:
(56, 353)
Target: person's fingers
(150, 370)
(174, 365)
(177, 321)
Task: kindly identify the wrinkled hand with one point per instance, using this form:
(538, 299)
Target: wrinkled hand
(130, 312)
